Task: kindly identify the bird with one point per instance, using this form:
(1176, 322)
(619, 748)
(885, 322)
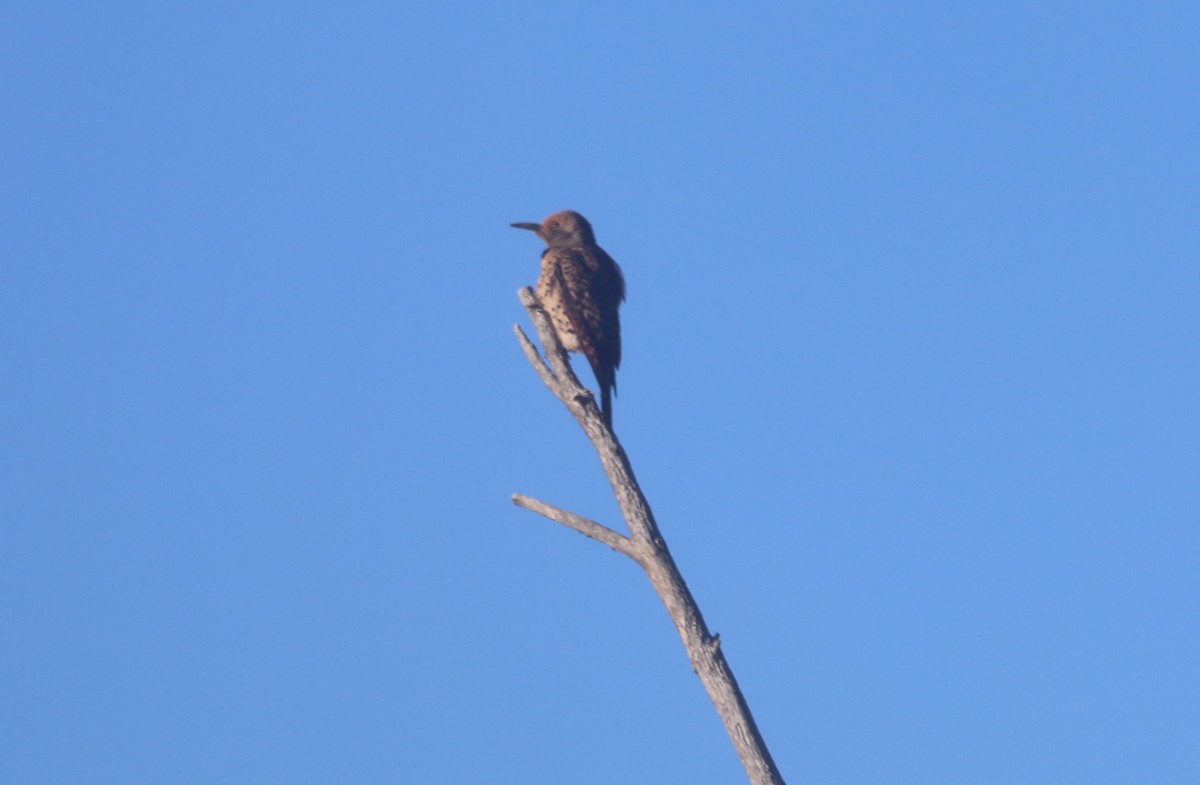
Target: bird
(582, 287)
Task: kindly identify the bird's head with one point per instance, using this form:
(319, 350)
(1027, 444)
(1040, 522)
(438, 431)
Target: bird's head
(565, 229)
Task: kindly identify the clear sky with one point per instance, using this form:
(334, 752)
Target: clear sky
(911, 379)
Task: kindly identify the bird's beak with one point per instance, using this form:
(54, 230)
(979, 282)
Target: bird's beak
(535, 228)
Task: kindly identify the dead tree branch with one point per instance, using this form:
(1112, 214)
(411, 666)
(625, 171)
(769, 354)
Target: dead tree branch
(645, 545)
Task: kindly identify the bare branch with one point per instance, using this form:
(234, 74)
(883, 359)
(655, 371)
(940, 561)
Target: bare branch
(615, 540)
(647, 547)
(569, 385)
(535, 359)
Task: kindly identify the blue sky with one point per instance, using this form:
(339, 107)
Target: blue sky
(910, 378)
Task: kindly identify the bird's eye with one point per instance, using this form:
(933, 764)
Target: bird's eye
(554, 224)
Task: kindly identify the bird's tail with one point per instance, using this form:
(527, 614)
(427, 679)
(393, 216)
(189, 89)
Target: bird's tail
(606, 404)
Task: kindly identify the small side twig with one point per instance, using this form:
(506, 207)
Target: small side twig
(535, 359)
(585, 526)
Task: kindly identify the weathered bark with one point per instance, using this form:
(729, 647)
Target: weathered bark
(645, 545)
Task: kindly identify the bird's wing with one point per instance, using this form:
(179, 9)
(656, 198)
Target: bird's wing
(609, 288)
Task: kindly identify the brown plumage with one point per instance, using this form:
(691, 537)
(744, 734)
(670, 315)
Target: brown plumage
(581, 287)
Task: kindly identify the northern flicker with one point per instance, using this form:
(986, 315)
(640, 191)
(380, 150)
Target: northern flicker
(581, 287)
